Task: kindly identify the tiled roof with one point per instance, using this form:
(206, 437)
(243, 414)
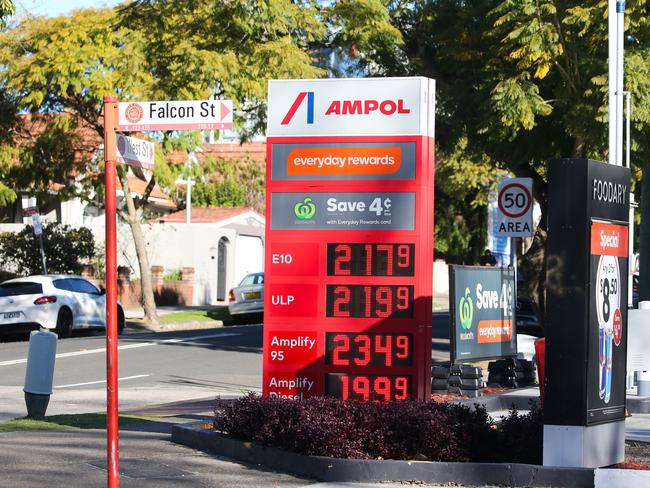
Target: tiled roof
(230, 150)
(205, 215)
(138, 186)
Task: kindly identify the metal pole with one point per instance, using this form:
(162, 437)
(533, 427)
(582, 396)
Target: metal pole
(611, 32)
(40, 242)
(188, 201)
(112, 426)
(513, 263)
(620, 31)
(628, 114)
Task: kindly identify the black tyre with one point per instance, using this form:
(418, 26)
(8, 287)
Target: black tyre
(121, 321)
(64, 322)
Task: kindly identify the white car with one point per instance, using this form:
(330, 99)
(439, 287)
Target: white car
(60, 302)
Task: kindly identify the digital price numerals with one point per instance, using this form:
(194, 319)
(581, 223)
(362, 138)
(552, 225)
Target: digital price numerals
(367, 388)
(370, 259)
(369, 301)
(353, 349)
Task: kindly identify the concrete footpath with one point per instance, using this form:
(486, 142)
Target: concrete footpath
(149, 459)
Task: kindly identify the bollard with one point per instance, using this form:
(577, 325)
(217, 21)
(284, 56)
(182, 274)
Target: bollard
(40, 372)
(643, 383)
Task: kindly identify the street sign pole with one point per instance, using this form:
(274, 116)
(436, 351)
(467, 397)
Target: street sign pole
(112, 426)
(40, 243)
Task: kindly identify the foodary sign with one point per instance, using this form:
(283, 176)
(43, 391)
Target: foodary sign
(349, 242)
(174, 115)
(482, 310)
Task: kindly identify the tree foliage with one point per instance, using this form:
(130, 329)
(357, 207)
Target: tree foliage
(66, 249)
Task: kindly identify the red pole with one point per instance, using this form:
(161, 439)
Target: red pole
(112, 426)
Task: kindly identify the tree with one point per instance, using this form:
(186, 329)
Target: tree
(525, 81)
(7, 8)
(66, 249)
(66, 65)
(155, 50)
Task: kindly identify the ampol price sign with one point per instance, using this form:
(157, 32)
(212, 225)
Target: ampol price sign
(349, 239)
(515, 204)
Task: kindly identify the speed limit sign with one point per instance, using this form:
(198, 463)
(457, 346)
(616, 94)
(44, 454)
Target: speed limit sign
(515, 208)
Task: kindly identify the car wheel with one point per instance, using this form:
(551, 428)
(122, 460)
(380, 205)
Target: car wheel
(64, 322)
(121, 321)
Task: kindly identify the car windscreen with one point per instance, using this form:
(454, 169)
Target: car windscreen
(20, 288)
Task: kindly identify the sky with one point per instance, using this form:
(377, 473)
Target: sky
(52, 8)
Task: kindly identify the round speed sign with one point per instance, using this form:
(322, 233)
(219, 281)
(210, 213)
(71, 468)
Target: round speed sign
(514, 200)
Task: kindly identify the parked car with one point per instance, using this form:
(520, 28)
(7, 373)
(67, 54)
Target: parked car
(60, 302)
(246, 301)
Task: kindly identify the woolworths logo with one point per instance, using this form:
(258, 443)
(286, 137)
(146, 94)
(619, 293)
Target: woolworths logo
(466, 310)
(304, 210)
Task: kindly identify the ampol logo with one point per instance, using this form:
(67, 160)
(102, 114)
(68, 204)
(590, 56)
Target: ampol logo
(304, 210)
(466, 310)
(296, 104)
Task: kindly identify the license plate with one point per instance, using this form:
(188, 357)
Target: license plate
(253, 295)
(11, 315)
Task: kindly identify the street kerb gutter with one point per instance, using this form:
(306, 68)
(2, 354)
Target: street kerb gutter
(369, 470)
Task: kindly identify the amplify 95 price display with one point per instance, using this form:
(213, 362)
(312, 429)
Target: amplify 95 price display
(355, 349)
(370, 259)
(366, 388)
(369, 301)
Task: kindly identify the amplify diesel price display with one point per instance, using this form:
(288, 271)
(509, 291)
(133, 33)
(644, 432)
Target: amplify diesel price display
(349, 239)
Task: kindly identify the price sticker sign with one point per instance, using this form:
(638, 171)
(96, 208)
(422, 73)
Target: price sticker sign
(349, 239)
(609, 249)
(515, 204)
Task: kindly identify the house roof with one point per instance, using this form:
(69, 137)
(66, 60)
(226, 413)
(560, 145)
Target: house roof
(207, 215)
(156, 196)
(228, 150)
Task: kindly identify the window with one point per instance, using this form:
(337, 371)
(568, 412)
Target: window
(248, 280)
(20, 288)
(63, 284)
(83, 286)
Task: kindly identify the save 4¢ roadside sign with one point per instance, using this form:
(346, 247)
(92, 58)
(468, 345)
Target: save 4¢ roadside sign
(515, 208)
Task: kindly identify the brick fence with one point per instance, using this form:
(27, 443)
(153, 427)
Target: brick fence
(165, 292)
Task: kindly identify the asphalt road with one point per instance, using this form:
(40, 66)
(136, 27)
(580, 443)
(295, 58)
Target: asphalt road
(154, 368)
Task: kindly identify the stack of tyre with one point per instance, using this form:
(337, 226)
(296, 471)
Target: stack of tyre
(511, 373)
(457, 379)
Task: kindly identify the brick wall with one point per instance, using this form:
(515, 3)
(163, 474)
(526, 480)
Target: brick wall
(165, 292)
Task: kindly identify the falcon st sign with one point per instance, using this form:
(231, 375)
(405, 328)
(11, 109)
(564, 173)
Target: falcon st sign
(174, 115)
(135, 152)
(515, 215)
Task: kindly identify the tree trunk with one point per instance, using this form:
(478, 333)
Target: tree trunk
(133, 218)
(533, 266)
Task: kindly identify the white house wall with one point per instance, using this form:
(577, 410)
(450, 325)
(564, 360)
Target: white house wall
(175, 246)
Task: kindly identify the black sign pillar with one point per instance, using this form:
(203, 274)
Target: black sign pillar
(586, 331)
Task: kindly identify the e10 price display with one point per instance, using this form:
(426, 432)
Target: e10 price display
(367, 388)
(352, 349)
(370, 259)
(369, 301)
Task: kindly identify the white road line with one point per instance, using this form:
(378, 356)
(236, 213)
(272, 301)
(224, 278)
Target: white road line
(127, 346)
(102, 381)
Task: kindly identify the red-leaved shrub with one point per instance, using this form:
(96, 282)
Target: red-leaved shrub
(363, 430)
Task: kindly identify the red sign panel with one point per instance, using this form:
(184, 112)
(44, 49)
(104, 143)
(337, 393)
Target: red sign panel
(349, 254)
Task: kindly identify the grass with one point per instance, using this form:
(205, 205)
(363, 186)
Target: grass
(196, 316)
(80, 421)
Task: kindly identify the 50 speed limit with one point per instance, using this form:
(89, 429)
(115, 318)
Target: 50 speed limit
(515, 202)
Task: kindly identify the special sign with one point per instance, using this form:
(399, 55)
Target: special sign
(515, 203)
(609, 253)
(349, 242)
